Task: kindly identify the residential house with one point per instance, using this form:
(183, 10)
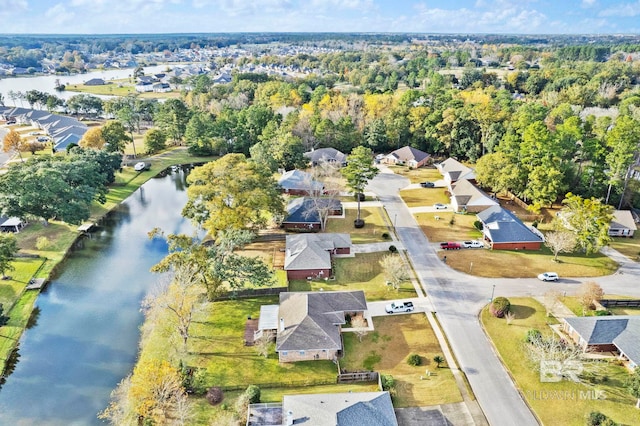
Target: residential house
(297, 182)
(452, 171)
(622, 224)
(61, 144)
(95, 82)
(144, 86)
(310, 323)
(504, 231)
(340, 409)
(309, 255)
(410, 156)
(467, 197)
(615, 333)
(11, 224)
(161, 87)
(303, 213)
(328, 155)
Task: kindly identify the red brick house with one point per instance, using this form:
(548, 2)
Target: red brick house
(309, 255)
(504, 231)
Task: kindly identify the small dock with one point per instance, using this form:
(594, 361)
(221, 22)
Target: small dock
(249, 329)
(86, 227)
(36, 284)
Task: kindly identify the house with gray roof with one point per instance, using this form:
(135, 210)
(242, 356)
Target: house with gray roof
(340, 409)
(309, 255)
(297, 182)
(310, 323)
(467, 197)
(615, 333)
(328, 155)
(304, 213)
(408, 155)
(452, 170)
(504, 231)
(622, 224)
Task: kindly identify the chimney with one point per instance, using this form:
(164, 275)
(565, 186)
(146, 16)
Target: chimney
(289, 418)
(281, 324)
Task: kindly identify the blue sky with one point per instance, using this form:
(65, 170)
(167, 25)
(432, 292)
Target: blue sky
(438, 16)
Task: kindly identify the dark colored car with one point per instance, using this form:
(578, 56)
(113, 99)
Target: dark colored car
(427, 184)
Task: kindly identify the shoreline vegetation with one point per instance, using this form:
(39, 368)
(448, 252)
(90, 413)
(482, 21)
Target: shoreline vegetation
(43, 262)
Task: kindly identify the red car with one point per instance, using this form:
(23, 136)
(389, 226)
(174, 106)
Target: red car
(450, 246)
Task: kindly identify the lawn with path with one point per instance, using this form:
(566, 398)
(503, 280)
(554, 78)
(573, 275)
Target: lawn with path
(375, 225)
(555, 402)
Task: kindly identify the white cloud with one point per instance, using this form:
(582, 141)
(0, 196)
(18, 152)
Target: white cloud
(588, 3)
(622, 10)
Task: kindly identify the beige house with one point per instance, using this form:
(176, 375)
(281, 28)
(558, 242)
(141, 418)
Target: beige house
(622, 224)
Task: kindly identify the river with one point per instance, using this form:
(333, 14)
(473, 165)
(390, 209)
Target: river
(47, 83)
(86, 336)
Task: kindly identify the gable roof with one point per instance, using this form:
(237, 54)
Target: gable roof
(310, 320)
(297, 179)
(63, 143)
(341, 409)
(620, 330)
(325, 154)
(408, 153)
(623, 219)
(311, 251)
(455, 170)
(502, 226)
(467, 194)
(305, 210)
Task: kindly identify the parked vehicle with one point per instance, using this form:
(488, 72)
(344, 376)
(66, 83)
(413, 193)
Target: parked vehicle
(427, 184)
(450, 246)
(42, 139)
(140, 166)
(395, 307)
(472, 244)
(34, 133)
(439, 206)
(548, 276)
(11, 122)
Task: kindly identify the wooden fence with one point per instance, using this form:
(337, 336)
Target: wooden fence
(251, 292)
(364, 376)
(622, 303)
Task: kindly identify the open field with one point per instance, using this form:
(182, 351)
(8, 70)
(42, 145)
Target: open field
(386, 350)
(424, 197)
(556, 403)
(362, 272)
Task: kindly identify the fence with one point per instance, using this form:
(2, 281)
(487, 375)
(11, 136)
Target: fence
(623, 303)
(365, 376)
(282, 384)
(251, 292)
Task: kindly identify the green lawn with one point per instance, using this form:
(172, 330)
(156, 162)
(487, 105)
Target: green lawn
(441, 229)
(362, 272)
(418, 175)
(119, 88)
(386, 349)
(574, 305)
(630, 247)
(509, 342)
(11, 289)
(18, 319)
(373, 229)
(420, 197)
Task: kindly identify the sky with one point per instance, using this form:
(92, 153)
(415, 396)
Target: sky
(423, 16)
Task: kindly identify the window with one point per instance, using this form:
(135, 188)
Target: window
(301, 352)
(284, 353)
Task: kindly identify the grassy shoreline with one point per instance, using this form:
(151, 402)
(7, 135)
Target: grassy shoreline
(62, 238)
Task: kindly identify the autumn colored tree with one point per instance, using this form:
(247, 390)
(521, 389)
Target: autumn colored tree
(13, 143)
(93, 138)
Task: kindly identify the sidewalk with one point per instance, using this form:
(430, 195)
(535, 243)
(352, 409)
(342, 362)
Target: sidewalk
(558, 310)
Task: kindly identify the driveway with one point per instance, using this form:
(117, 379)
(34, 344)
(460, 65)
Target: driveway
(376, 309)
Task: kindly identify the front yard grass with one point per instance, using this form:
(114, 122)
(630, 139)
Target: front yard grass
(509, 342)
(421, 197)
(386, 350)
(422, 174)
(362, 272)
(443, 230)
(576, 307)
(630, 247)
(372, 231)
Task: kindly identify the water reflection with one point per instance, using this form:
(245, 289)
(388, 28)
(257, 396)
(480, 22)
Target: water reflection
(85, 338)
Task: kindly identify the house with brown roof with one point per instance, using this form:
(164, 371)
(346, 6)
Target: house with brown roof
(467, 197)
(328, 155)
(622, 224)
(310, 323)
(452, 171)
(309, 255)
(408, 155)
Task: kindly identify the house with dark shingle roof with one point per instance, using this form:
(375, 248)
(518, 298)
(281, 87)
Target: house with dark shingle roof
(452, 170)
(309, 255)
(329, 155)
(505, 231)
(622, 224)
(309, 323)
(297, 182)
(95, 82)
(303, 213)
(465, 196)
(408, 155)
(615, 333)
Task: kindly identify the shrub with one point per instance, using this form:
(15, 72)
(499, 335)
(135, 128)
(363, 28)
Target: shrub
(532, 335)
(393, 249)
(214, 395)
(414, 359)
(253, 393)
(603, 313)
(386, 236)
(500, 306)
(438, 359)
(478, 225)
(596, 418)
(42, 243)
(3, 318)
(388, 382)
(452, 221)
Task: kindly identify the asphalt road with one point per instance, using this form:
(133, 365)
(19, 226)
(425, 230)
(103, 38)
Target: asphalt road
(458, 298)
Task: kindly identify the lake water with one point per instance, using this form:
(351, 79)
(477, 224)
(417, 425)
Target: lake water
(47, 83)
(86, 337)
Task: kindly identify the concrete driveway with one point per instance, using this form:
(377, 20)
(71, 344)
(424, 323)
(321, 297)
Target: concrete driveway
(376, 309)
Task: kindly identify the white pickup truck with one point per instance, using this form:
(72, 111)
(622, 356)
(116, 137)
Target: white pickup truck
(395, 307)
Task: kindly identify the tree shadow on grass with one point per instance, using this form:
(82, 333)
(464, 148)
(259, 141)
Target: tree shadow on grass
(522, 312)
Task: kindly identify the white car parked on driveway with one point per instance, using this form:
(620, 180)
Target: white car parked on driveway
(472, 244)
(140, 166)
(548, 276)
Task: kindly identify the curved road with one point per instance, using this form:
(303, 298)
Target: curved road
(458, 298)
